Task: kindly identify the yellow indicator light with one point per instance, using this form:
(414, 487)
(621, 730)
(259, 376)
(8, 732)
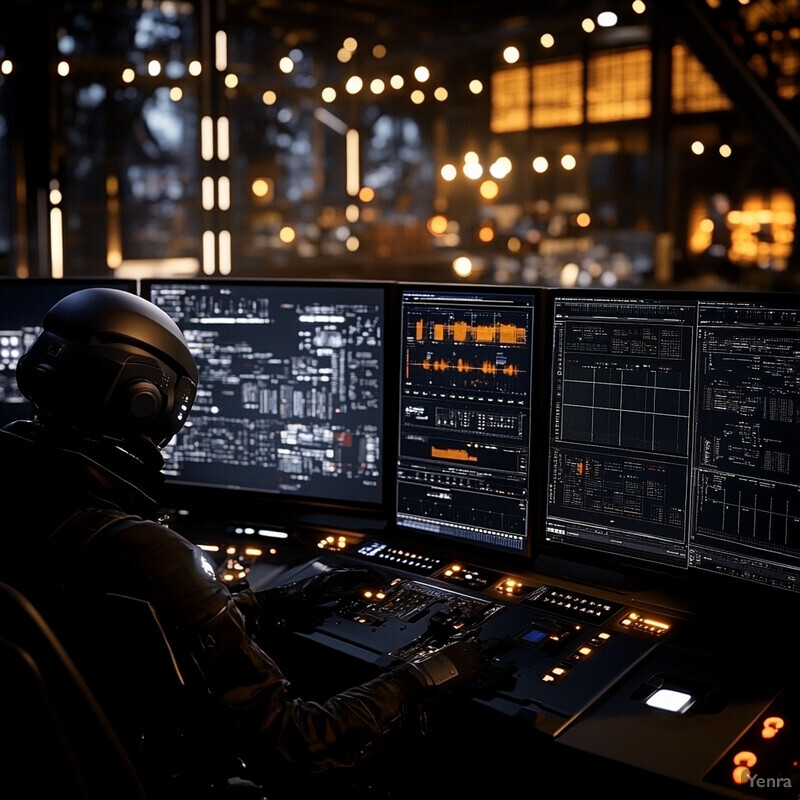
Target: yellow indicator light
(253, 551)
(603, 635)
(585, 651)
(558, 671)
(548, 678)
(656, 624)
(230, 551)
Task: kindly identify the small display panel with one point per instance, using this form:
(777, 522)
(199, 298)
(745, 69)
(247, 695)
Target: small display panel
(465, 414)
(291, 390)
(23, 305)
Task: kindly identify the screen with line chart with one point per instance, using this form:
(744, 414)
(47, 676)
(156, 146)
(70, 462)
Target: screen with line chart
(291, 392)
(621, 401)
(674, 434)
(464, 445)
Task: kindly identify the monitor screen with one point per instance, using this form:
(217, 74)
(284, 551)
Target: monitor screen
(291, 389)
(745, 480)
(23, 304)
(673, 434)
(467, 365)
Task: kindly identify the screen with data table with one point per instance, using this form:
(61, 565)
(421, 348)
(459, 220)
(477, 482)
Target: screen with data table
(465, 415)
(291, 391)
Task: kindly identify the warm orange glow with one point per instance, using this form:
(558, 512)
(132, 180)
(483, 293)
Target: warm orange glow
(744, 758)
(771, 727)
(437, 224)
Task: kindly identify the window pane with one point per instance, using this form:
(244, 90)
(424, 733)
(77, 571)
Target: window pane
(557, 94)
(619, 86)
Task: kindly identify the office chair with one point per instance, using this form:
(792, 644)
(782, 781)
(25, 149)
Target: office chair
(58, 742)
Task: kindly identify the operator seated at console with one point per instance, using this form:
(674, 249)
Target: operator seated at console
(112, 380)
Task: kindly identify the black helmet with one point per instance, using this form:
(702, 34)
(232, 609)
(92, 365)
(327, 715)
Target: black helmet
(110, 364)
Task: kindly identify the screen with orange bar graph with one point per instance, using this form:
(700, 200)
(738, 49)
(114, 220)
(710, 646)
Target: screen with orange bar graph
(464, 448)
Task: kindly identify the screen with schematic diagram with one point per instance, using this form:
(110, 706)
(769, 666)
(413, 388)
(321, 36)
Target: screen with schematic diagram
(291, 394)
(673, 435)
(465, 422)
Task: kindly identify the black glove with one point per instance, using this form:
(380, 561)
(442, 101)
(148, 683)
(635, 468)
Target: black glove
(453, 667)
(334, 584)
(302, 603)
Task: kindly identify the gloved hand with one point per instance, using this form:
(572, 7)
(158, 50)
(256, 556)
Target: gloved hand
(333, 584)
(455, 666)
(301, 603)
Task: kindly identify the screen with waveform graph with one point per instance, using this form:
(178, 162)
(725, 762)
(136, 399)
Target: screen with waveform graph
(291, 393)
(465, 414)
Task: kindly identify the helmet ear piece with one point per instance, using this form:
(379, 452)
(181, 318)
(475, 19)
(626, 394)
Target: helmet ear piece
(143, 400)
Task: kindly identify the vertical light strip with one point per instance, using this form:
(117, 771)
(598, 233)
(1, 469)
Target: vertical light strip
(224, 193)
(221, 51)
(207, 193)
(223, 139)
(224, 252)
(56, 243)
(207, 138)
(352, 166)
(209, 242)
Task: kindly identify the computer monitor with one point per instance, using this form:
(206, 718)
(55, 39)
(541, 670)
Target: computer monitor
(468, 360)
(745, 471)
(674, 433)
(290, 400)
(23, 304)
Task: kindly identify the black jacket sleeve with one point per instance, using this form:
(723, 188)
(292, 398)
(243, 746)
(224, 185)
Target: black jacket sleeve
(270, 722)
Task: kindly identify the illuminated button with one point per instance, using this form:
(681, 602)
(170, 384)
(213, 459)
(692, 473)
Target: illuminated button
(585, 651)
(671, 700)
(743, 761)
(771, 727)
